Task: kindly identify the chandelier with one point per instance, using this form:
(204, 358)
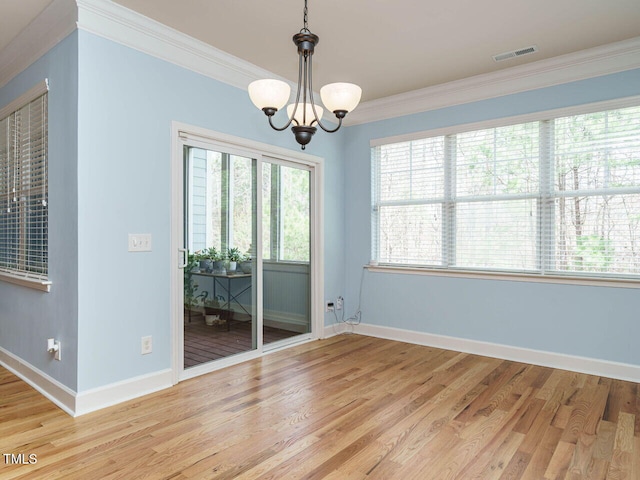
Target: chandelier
(270, 95)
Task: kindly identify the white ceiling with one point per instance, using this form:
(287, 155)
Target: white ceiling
(17, 14)
(385, 46)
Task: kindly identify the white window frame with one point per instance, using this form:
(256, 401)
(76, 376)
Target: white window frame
(16, 274)
(542, 276)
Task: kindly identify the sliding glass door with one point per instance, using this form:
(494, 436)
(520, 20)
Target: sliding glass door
(220, 212)
(286, 247)
(245, 223)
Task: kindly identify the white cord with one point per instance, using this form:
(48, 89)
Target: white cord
(356, 318)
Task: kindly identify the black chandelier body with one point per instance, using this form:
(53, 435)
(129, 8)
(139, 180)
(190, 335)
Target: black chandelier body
(304, 114)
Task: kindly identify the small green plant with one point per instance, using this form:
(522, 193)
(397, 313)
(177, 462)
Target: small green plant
(198, 255)
(213, 302)
(213, 254)
(234, 255)
(191, 296)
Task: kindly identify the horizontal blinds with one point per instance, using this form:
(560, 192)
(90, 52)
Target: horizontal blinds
(23, 191)
(409, 188)
(557, 196)
(596, 185)
(496, 184)
(412, 170)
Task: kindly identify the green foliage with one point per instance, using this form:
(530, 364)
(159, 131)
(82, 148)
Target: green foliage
(234, 255)
(191, 296)
(212, 254)
(594, 253)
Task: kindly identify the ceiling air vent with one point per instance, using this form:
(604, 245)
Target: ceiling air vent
(516, 53)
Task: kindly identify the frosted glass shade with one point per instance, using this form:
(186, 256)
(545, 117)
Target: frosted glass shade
(269, 93)
(340, 96)
(309, 113)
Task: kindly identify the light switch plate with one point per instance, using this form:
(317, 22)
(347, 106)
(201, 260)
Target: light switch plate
(139, 242)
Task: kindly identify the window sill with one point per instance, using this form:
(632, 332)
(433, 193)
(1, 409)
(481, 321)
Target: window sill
(41, 285)
(512, 277)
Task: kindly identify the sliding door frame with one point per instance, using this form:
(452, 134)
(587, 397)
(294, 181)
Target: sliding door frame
(184, 134)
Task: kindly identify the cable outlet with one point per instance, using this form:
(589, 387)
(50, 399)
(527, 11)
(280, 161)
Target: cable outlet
(330, 307)
(339, 303)
(53, 346)
(147, 345)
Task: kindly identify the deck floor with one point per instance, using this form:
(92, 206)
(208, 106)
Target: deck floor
(203, 343)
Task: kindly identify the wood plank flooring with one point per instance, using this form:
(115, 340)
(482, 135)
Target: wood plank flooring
(350, 407)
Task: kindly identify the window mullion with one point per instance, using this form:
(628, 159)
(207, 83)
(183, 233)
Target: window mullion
(226, 211)
(276, 216)
(546, 203)
(375, 201)
(448, 206)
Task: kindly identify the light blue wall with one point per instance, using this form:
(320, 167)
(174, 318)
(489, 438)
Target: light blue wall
(127, 101)
(596, 322)
(110, 110)
(28, 317)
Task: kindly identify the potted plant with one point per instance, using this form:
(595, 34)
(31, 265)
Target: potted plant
(205, 262)
(191, 295)
(212, 311)
(234, 256)
(217, 259)
(245, 262)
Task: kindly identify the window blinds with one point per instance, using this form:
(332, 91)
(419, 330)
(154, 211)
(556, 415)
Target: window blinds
(596, 189)
(559, 196)
(23, 191)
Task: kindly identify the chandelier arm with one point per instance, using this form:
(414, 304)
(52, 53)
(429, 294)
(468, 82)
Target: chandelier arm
(293, 114)
(305, 87)
(297, 102)
(313, 106)
(279, 129)
(328, 130)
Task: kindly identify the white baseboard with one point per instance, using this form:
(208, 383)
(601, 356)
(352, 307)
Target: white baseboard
(76, 404)
(333, 330)
(60, 394)
(286, 321)
(112, 394)
(591, 366)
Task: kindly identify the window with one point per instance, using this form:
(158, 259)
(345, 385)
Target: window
(220, 201)
(286, 213)
(221, 206)
(23, 189)
(558, 196)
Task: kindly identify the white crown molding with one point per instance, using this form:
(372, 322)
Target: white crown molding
(593, 62)
(124, 26)
(56, 22)
(127, 27)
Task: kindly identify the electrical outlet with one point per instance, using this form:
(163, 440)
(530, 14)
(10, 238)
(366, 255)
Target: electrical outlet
(147, 345)
(339, 303)
(329, 307)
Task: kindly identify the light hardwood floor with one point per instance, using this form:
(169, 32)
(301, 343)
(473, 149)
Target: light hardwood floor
(349, 407)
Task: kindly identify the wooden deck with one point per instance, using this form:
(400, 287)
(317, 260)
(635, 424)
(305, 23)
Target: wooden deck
(203, 343)
(350, 407)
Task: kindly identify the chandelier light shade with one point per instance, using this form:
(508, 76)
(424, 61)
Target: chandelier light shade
(271, 95)
(304, 116)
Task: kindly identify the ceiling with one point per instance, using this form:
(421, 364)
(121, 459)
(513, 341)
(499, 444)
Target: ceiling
(385, 46)
(17, 14)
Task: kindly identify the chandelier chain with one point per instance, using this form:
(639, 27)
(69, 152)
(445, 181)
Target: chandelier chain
(306, 20)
